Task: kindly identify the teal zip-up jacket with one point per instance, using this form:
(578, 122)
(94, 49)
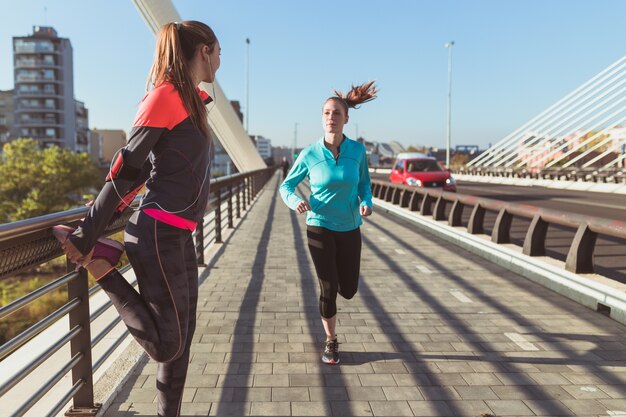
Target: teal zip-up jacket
(338, 186)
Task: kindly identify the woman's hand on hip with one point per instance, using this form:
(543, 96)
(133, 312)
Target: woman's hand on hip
(303, 207)
(366, 211)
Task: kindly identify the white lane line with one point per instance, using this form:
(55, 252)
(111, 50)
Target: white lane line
(460, 296)
(589, 389)
(400, 252)
(616, 413)
(382, 239)
(519, 340)
(424, 269)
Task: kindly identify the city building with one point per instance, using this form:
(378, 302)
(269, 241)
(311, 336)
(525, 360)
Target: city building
(6, 115)
(264, 147)
(221, 164)
(105, 143)
(82, 127)
(44, 106)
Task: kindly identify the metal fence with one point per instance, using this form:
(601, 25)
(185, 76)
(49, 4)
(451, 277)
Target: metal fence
(29, 243)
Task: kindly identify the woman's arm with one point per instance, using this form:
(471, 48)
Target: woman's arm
(298, 172)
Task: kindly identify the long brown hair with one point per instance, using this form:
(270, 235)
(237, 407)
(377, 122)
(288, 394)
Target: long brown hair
(175, 48)
(357, 95)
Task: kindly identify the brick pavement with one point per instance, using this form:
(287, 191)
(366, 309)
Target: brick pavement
(433, 331)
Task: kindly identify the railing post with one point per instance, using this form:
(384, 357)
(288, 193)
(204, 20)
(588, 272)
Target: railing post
(535, 241)
(405, 198)
(230, 206)
(200, 243)
(456, 214)
(395, 198)
(580, 257)
(218, 217)
(238, 203)
(439, 211)
(389, 193)
(414, 201)
(249, 183)
(426, 208)
(502, 228)
(476, 224)
(83, 401)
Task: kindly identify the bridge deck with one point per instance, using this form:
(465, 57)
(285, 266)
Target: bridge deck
(433, 331)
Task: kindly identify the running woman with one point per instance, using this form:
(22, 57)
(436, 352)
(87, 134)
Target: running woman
(168, 151)
(338, 174)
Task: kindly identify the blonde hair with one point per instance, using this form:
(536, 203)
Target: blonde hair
(176, 46)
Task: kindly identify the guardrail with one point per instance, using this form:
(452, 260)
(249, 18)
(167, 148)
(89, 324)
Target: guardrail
(433, 203)
(610, 176)
(30, 242)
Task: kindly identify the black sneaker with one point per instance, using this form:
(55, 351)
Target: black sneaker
(331, 352)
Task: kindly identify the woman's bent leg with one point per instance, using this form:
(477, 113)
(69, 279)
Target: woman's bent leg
(158, 315)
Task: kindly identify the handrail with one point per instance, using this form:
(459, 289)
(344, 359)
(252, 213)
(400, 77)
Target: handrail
(30, 242)
(433, 203)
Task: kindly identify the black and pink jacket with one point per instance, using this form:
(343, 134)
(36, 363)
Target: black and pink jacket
(168, 154)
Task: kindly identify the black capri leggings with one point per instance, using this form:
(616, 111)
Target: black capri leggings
(162, 315)
(337, 259)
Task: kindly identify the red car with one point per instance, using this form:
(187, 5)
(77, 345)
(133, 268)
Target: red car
(421, 170)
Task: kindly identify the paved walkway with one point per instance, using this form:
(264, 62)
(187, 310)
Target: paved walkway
(433, 331)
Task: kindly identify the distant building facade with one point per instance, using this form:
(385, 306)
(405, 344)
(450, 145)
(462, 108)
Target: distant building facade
(263, 146)
(44, 106)
(105, 143)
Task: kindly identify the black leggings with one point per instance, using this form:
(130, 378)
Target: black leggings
(162, 315)
(337, 259)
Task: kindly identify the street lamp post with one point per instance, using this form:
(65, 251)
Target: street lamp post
(449, 45)
(247, 84)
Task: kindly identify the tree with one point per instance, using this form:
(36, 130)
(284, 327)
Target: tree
(458, 160)
(420, 149)
(34, 181)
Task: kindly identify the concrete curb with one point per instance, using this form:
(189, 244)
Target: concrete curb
(592, 291)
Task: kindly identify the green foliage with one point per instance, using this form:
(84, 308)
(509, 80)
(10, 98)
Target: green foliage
(458, 160)
(40, 181)
(421, 149)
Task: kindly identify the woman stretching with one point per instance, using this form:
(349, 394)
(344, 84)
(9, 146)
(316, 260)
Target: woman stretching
(169, 151)
(337, 169)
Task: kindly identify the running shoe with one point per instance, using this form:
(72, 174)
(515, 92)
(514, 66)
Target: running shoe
(331, 352)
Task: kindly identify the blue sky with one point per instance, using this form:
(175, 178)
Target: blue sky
(511, 59)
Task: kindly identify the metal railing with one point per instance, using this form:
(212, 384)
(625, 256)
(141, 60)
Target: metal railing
(580, 257)
(28, 243)
(609, 176)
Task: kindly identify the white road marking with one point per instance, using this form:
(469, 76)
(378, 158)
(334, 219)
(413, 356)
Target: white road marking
(616, 413)
(589, 389)
(400, 252)
(460, 296)
(382, 239)
(519, 340)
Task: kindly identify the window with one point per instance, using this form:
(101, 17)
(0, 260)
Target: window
(423, 165)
